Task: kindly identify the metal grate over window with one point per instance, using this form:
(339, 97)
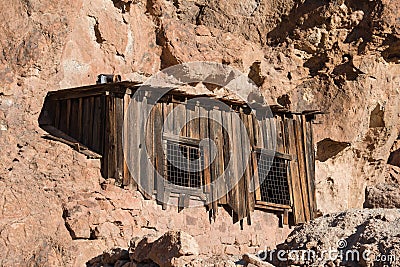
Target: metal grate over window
(274, 186)
(184, 165)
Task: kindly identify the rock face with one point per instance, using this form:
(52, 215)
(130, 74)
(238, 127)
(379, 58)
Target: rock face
(341, 57)
(352, 238)
(172, 249)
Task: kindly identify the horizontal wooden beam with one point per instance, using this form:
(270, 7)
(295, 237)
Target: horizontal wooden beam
(272, 206)
(181, 139)
(274, 153)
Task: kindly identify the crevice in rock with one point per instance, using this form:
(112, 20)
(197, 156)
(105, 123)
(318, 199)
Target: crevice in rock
(377, 117)
(394, 158)
(392, 53)
(284, 100)
(255, 73)
(316, 63)
(97, 33)
(200, 14)
(124, 6)
(329, 148)
(167, 58)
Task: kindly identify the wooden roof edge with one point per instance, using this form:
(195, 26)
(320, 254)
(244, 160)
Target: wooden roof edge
(122, 87)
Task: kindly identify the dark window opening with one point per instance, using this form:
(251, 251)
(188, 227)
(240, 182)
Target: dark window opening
(184, 165)
(273, 175)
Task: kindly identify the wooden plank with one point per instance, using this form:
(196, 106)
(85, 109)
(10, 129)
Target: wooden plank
(149, 139)
(309, 163)
(286, 123)
(279, 134)
(182, 139)
(68, 116)
(298, 210)
(204, 133)
(111, 134)
(102, 122)
(257, 128)
(248, 124)
(74, 126)
(90, 123)
(107, 130)
(57, 114)
(168, 118)
(85, 121)
(134, 121)
(146, 182)
(119, 127)
(96, 133)
(237, 168)
(63, 116)
(80, 120)
(159, 152)
(126, 132)
(302, 167)
(257, 192)
(217, 167)
(179, 118)
(273, 153)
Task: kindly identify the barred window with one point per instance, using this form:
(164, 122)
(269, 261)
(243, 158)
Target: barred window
(184, 164)
(273, 176)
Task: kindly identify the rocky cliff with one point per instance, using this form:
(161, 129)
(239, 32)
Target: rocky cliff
(340, 56)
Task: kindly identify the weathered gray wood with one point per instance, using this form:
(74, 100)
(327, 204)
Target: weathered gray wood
(217, 166)
(125, 139)
(119, 127)
(158, 152)
(298, 210)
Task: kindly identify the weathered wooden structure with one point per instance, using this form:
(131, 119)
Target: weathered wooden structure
(91, 119)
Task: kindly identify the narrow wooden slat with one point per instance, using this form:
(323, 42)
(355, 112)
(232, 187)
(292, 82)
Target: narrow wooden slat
(217, 167)
(68, 117)
(85, 121)
(298, 210)
(133, 120)
(96, 143)
(279, 134)
(257, 128)
(107, 136)
(73, 127)
(57, 115)
(182, 139)
(179, 119)
(309, 162)
(102, 122)
(168, 118)
(302, 167)
(112, 155)
(226, 126)
(125, 139)
(90, 124)
(158, 151)
(149, 139)
(257, 192)
(287, 144)
(146, 182)
(204, 133)
(247, 121)
(119, 127)
(80, 119)
(237, 168)
(63, 116)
